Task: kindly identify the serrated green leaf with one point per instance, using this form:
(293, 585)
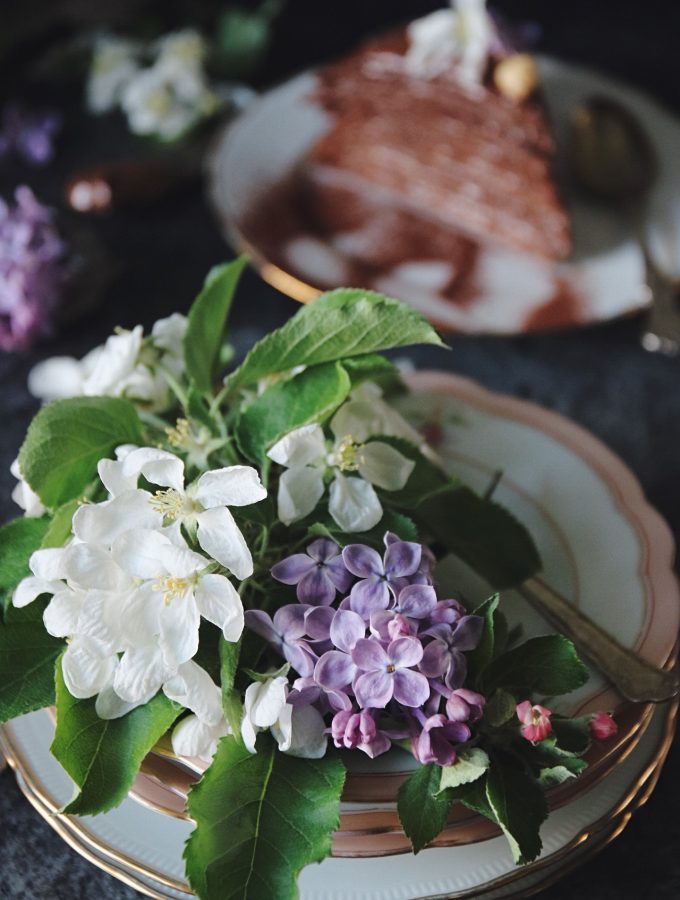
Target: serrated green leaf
(481, 656)
(470, 765)
(423, 811)
(27, 658)
(372, 367)
(18, 540)
(547, 665)
(260, 819)
(337, 325)
(482, 533)
(60, 528)
(66, 440)
(103, 756)
(206, 321)
(519, 806)
(311, 396)
(500, 708)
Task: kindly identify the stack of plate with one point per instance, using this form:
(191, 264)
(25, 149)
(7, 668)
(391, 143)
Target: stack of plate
(601, 545)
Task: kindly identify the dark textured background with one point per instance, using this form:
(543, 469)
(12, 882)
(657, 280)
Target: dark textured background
(599, 377)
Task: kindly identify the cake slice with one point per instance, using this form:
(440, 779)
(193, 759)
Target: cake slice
(415, 130)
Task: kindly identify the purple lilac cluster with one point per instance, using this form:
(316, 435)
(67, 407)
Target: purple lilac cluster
(375, 648)
(28, 133)
(33, 271)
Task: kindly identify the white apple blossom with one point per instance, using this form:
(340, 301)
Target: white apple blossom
(203, 504)
(353, 502)
(126, 365)
(24, 496)
(114, 63)
(198, 734)
(458, 37)
(299, 731)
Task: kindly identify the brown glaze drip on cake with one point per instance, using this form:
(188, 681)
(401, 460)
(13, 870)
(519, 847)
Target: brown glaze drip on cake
(463, 157)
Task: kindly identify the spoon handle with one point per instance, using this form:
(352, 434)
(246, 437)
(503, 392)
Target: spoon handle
(661, 330)
(632, 676)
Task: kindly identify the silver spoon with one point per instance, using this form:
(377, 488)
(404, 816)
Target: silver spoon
(613, 159)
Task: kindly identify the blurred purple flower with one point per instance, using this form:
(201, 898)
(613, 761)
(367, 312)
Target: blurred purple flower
(380, 578)
(28, 133)
(358, 729)
(33, 271)
(444, 656)
(318, 573)
(285, 632)
(438, 740)
(387, 673)
(447, 612)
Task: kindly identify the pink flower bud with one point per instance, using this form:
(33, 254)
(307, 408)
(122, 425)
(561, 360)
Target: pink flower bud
(536, 725)
(602, 726)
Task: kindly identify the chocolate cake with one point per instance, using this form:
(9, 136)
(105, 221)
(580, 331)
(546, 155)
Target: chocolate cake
(471, 154)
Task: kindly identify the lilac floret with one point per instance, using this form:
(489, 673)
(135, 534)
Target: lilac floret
(285, 632)
(387, 673)
(29, 133)
(318, 573)
(438, 740)
(380, 578)
(33, 271)
(444, 655)
(358, 729)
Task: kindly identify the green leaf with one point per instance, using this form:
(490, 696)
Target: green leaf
(27, 658)
(309, 397)
(60, 528)
(470, 765)
(206, 321)
(340, 324)
(260, 818)
(18, 540)
(103, 756)
(243, 39)
(230, 654)
(519, 806)
(482, 533)
(500, 708)
(66, 440)
(481, 656)
(423, 811)
(547, 665)
(551, 777)
(572, 735)
(372, 367)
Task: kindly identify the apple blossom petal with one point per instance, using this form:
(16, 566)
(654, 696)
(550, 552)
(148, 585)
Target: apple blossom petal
(181, 562)
(62, 612)
(405, 651)
(370, 656)
(110, 706)
(89, 566)
(100, 618)
(362, 561)
(231, 486)
(402, 558)
(334, 670)
(166, 471)
(356, 418)
(291, 569)
(113, 478)
(353, 504)
(301, 447)
(410, 688)
(138, 552)
(300, 489)
(31, 588)
(374, 689)
(264, 701)
(218, 602)
(101, 523)
(194, 689)
(195, 739)
(307, 737)
(56, 378)
(221, 538)
(140, 615)
(85, 668)
(49, 564)
(140, 674)
(179, 621)
(282, 729)
(346, 629)
(417, 600)
(382, 465)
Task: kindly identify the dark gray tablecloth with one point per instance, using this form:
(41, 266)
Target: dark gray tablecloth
(599, 377)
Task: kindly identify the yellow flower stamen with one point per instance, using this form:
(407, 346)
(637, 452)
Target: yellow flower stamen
(345, 456)
(168, 502)
(179, 434)
(173, 587)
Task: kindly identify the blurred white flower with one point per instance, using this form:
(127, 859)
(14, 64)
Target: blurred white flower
(458, 37)
(114, 63)
(24, 496)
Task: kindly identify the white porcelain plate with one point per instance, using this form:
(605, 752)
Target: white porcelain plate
(508, 291)
(601, 545)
